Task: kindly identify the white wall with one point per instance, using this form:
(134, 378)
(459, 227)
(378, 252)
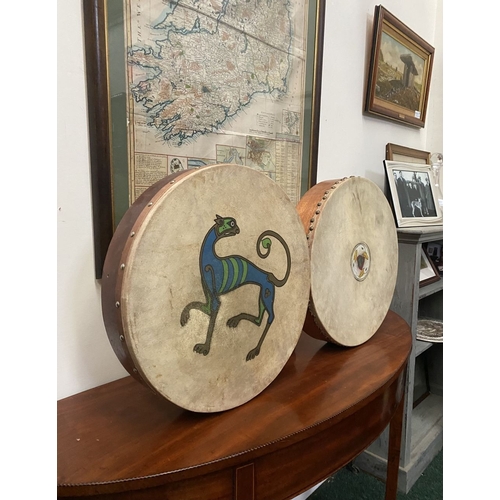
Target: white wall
(84, 356)
(350, 144)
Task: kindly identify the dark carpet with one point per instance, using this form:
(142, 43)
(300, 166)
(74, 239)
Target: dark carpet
(348, 485)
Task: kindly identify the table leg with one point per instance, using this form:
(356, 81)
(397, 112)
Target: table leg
(244, 487)
(394, 452)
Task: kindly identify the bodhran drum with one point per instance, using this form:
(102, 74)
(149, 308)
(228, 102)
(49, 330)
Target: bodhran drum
(353, 248)
(206, 286)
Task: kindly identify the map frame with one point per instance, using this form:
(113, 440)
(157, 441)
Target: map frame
(108, 144)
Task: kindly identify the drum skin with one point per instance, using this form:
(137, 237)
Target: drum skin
(206, 286)
(353, 247)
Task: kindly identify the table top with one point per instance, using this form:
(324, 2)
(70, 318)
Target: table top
(122, 432)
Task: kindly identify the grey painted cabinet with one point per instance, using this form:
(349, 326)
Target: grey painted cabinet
(423, 418)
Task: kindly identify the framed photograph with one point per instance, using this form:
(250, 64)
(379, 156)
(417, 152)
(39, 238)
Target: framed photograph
(413, 194)
(428, 272)
(405, 154)
(400, 71)
(179, 85)
(434, 251)
(396, 152)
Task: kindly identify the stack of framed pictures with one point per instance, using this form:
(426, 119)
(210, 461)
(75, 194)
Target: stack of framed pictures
(414, 200)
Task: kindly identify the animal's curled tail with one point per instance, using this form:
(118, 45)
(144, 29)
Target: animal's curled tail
(266, 244)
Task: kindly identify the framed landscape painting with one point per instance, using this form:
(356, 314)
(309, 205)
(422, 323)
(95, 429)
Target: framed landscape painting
(414, 197)
(180, 85)
(400, 71)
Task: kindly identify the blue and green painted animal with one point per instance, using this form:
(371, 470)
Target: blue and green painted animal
(221, 275)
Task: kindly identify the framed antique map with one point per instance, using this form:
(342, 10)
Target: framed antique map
(174, 85)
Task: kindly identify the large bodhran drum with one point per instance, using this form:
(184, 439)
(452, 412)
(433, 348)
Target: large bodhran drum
(354, 259)
(205, 286)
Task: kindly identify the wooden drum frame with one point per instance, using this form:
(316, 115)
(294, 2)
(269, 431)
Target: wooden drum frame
(205, 286)
(353, 249)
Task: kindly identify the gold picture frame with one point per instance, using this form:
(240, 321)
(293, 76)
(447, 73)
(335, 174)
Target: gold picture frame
(400, 71)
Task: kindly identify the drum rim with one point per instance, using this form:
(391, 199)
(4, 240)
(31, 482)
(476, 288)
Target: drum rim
(116, 262)
(116, 327)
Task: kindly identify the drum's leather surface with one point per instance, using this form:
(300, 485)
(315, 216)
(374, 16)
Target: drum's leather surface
(354, 259)
(192, 306)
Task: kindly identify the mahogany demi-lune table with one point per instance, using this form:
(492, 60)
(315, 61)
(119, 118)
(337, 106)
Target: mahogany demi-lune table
(121, 441)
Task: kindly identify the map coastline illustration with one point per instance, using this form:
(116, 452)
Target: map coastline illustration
(215, 81)
(182, 95)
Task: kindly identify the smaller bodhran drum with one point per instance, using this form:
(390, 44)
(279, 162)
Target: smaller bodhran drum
(205, 286)
(353, 248)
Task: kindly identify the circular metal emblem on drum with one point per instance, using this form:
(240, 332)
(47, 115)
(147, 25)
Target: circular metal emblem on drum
(206, 301)
(353, 248)
(360, 261)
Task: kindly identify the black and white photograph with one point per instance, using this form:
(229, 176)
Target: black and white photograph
(414, 196)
